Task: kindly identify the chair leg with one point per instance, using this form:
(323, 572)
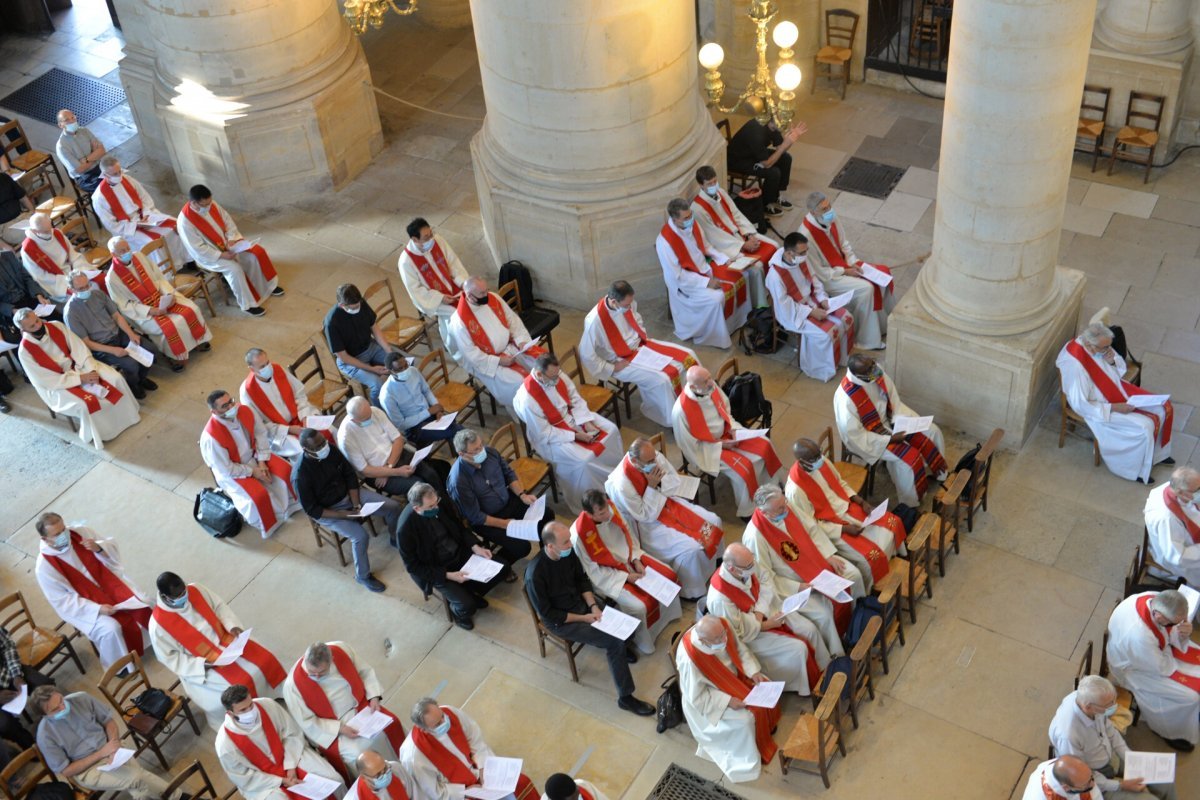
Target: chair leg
(571, 661)
(1112, 162)
(845, 83)
(74, 655)
(1149, 166)
(158, 753)
(1062, 432)
(812, 90)
(553, 484)
(616, 407)
(712, 491)
(1095, 453)
(542, 643)
(187, 710)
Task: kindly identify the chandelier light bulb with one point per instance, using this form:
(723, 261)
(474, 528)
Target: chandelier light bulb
(785, 34)
(711, 56)
(787, 77)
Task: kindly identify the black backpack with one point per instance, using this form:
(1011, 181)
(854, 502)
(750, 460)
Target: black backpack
(967, 462)
(761, 334)
(216, 514)
(840, 664)
(864, 609)
(746, 400)
(516, 271)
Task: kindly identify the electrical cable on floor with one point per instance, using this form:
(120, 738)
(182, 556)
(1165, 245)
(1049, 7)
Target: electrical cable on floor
(377, 90)
(1177, 155)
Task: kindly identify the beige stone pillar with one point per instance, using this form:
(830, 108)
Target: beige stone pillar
(594, 121)
(1145, 27)
(976, 339)
(444, 13)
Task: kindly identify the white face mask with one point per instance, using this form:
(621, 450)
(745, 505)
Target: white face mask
(427, 246)
(349, 310)
(113, 180)
(230, 413)
(711, 649)
(248, 719)
(266, 373)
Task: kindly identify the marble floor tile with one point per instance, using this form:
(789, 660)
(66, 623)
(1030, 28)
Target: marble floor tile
(901, 211)
(1086, 219)
(1120, 201)
(919, 182)
(1163, 308)
(1171, 237)
(857, 206)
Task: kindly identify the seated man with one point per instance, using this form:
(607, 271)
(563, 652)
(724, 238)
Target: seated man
(761, 149)
(15, 207)
(614, 561)
(279, 399)
(84, 580)
(262, 749)
(613, 333)
(214, 243)
(77, 736)
(790, 646)
(445, 753)
(327, 488)
(126, 209)
(706, 435)
(190, 629)
(727, 229)
(802, 307)
(48, 256)
(356, 341)
(490, 342)
(79, 150)
(432, 273)
(379, 779)
(435, 546)
(94, 317)
(1065, 777)
(235, 446)
(644, 487)
(1081, 727)
(561, 786)
(1173, 525)
(15, 677)
(865, 406)
(563, 598)
(410, 404)
(716, 672)
(707, 297)
(376, 449)
(71, 382)
(1131, 440)
(583, 447)
(326, 688)
(149, 301)
(18, 289)
(840, 271)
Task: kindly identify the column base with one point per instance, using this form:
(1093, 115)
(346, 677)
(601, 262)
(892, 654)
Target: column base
(978, 383)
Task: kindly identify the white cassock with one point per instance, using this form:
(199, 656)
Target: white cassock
(102, 630)
(698, 311)
(138, 313)
(229, 471)
(1043, 776)
(251, 782)
(681, 550)
(203, 685)
(736, 463)
(244, 271)
(870, 324)
(507, 336)
(432, 782)
(723, 735)
(399, 773)
(578, 468)
(825, 344)
(275, 412)
(324, 732)
(657, 388)
(55, 385)
(726, 228)
(59, 254)
(783, 657)
(1141, 663)
(870, 446)
(610, 581)
(1170, 542)
(428, 298)
(1126, 440)
(129, 195)
(585, 786)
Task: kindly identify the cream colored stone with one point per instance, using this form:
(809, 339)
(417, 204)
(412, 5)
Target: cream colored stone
(1145, 27)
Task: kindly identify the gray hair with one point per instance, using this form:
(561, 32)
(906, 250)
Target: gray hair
(76, 273)
(357, 404)
(1170, 603)
(37, 218)
(318, 655)
(114, 241)
(766, 493)
(635, 449)
(1095, 333)
(1181, 479)
(108, 161)
(419, 710)
(1095, 690)
(20, 315)
(550, 531)
(418, 492)
(253, 353)
(677, 206)
(464, 439)
(814, 201)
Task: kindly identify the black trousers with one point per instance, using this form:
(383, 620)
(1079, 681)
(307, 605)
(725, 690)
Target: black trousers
(10, 725)
(133, 372)
(614, 650)
(433, 471)
(511, 549)
(775, 178)
(464, 597)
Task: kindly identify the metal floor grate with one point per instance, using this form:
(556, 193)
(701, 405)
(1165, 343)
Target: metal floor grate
(678, 783)
(44, 96)
(869, 178)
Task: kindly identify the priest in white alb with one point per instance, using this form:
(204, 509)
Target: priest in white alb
(48, 256)
(611, 555)
(707, 297)
(1173, 525)
(325, 690)
(126, 209)
(1131, 439)
(726, 228)
(85, 583)
(279, 399)
(802, 307)
(1150, 653)
(708, 437)
(583, 447)
(379, 779)
(648, 492)
(865, 406)
(614, 334)
(432, 273)
(72, 382)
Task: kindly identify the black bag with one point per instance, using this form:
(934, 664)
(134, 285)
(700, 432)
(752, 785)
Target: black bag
(840, 664)
(750, 203)
(907, 515)
(761, 334)
(967, 462)
(55, 790)
(1118, 344)
(864, 609)
(216, 514)
(538, 321)
(746, 400)
(670, 705)
(516, 271)
(154, 702)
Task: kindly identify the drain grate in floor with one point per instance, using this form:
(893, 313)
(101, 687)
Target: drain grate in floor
(44, 96)
(869, 178)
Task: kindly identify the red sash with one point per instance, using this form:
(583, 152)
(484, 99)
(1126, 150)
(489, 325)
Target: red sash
(734, 281)
(765, 249)
(90, 401)
(255, 392)
(118, 209)
(318, 702)
(138, 282)
(731, 457)
(34, 251)
(1189, 656)
(479, 335)
(830, 323)
(1176, 509)
(196, 643)
(1113, 393)
(622, 349)
(439, 280)
(395, 790)
(598, 551)
(278, 467)
(831, 249)
(102, 587)
(584, 793)
(556, 418)
(917, 450)
(736, 683)
(823, 508)
(216, 237)
(271, 764)
(800, 552)
(676, 515)
(450, 765)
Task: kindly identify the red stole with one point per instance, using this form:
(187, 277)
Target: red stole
(556, 418)
(138, 282)
(271, 764)
(440, 279)
(599, 552)
(196, 643)
(705, 203)
(823, 510)
(1176, 509)
(56, 334)
(1113, 393)
(1189, 656)
(800, 552)
(622, 349)
(917, 450)
(216, 236)
(830, 244)
(34, 251)
(395, 790)
(278, 467)
(736, 683)
(830, 322)
(118, 209)
(450, 765)
(265, 407)
(734, 281)
(676, 515)
(731, 457)
(584, 793)
(103, 587)
(480, 337)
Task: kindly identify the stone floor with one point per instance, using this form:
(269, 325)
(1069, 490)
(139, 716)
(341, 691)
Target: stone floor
(965, 708)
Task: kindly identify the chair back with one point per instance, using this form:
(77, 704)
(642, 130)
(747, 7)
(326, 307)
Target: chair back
(1134, 572)
(728, 368)
(78, 233)
(510, 293)
(202, 789)
(13, 140)
(841, 26)
(726, 131)
(15, 616)
(506, 442)
(308, 366)
(829, 717)
(659, 442)
(981, 470)
(23, 774)
(160, 255)
(537, 621)
(432, 367)
(120, 690)
(1145, 110)
(568, 362)
(825, 444)
(1095, 102)
(385, 304)
(860, 661)
(1085, 663)
(945, 503)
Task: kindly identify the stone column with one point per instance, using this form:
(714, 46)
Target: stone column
(1145, 27)
(975, 341)
(594, 121)
(444, 13)
(261, 101)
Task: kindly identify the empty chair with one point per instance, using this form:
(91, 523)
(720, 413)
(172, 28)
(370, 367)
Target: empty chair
(841, 26)
(1138, 139)
(1093, 111)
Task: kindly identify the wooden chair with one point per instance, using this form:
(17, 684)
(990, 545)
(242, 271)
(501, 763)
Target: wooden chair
(453, 396)
(817, 737)
(26, 772)
(1093, 111)
(913, 572)
(841, 26)
(738, 181)
(14, 146)
(600, 399)
(852, 474)
(1143, 115)
(927, 35)
(328, 536)
(531, 471)
(1125, 698)
(543, 633)
(203, 791)
(947, 506)
(1147, 580)
(539, 322)
(887, 592)
(327, 395)
(849, 457)
(1069, 420)
(79, 234)
(190, 286)
(1131, 574)
(399, 331)
(709, 481)
(981, 472)
(445, 603)
(146, 731)
(1085, 663)
(42, 649)
(46, 199)
(862, 679)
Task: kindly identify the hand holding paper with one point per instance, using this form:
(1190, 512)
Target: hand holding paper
(765, 694)
(233, 651)
(832, 586)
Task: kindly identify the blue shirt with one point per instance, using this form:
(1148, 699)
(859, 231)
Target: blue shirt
(480, 491)
(407, 402)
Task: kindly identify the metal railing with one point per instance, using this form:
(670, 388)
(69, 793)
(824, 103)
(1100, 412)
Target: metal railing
(910, 37)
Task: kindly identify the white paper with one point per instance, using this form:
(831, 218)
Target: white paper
(321, 422)
(156, 218)
(661, 588)
(122, 755)
(140, 354)
(439, 424)
(481, 569)
(94, 388)
(234, 650)
(526, 529)
(369, 722)
(166, 301)
(765, 694)
(650, 359)
(832, 586)
(876, 514)
(1193, 599)
(315, 787)
(1150, 767)
(527, 345)
(616, 623)
(840, 301)
(501, 774)
(129, 605)
(874, 275)
(480, 793)
(536, 510)
(44, 309)
(92, 274)
(903, 424)
(1148, 400)
(242, 245)
(796, 601)
(419, 456)
(688, 484)
(6, 346)
(369, 508)
(17, 704)
(741, 262)
(742, 434)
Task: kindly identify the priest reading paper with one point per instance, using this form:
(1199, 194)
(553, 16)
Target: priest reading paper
(48, 256)
(802, 307)
(727, 229)
(280, 401)
(126, 209)
(432, 273)
(1173, 524)
(382, 780)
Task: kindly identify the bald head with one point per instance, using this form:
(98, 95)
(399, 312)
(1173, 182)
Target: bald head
(359, 409)
(1185, 483)
(1072, 773)
(642, 452)
(710, 631)
(39, 222)
(806, 450)
(700, 381)
(738, 558)
(370, 764)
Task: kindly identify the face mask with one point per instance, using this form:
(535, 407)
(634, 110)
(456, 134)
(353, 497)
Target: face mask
(45, 237)
(125, 258)
(177, 603)
(1108, 712)
(622, 309)
(266, 373)
(478, 301)
(403, 374)
(816, 465)
(648, 468)
(565, 553)
(83, 295)
(711, 649)
(686, 226)
(71, 127)
(479, 457)
(61, 541)
(443, 727)
(249, 718)
(828, 216)
(317, 678)
(321, 454)
(381, 781)
(549, 383)
(202, 209)
(712, 191)
(113, 180)
(62, 713)
(430, 513)
(780, 517)
(231, 413)
(349, 310)
(366, 423)
(427, 246)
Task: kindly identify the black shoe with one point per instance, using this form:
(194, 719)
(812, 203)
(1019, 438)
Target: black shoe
(256, 311)
(1182, 745)
(784, 203)
(1139, 480)
(176, 366)
(466, 624)
(204, 347)
(372, 583)
(773, 210)
(5, 408)
(481, 603)
(149, 385)
(1168, 461)
(639, 707)
(138, 392)
(510, 576)
(631, 655)
(278, 292)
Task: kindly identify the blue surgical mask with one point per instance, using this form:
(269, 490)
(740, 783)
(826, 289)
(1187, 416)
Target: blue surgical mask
(266, 373)
(366, 423)
(381, 781)
(479, 457)
(565, 553)
(1108, 712)
(71, 127)
(202, 209)
(648, 468)
(177, 603)
(427, 246)
(317, 678)
(62, 712)
(231, 412)
(430, 513)
(61, 540)
(828, 216)
(712, 191)
(84, 294)
(125, 258)
(778, 518)
(321, 454)
(686, 226)
(816, 465)
(442, 727)
(403, 374)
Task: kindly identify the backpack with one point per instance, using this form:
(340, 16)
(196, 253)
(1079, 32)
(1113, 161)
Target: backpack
(750, 203)
(516, 271)
(216, 514)
(761, 334)
(864, 609)
(967, 462)
(670, 705)
(746, 400)
(840, 664)
(907, 515)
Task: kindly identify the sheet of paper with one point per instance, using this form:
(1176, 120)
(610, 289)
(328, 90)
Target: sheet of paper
(742, 262)
(840, 301)
(647, 358)
(903, 424)
(130, 604)
(369, 722)
(529, 344)
(832, 586)
(742, 434)
(234, 651)
(6, 346)
(92, 274)
(501, 774)
(242, 245)
(140, 354)
(661, 588)
(322, 422)
(876, 513)
(526, 529)
(369, 508)
(616, 623)
(157, 218)
(439, 424)
(17, 704)
(874, 275)
(480, 793)
(1148, 400)
(122, 755)
(481, 569)
(315, 787)
(765, 694)
(94, 388)
(166, 301)
(44, 309)
(1193, 599)
(536, 510)
(687, 487)
(1150, 767)
(796, 601)
(419, 456)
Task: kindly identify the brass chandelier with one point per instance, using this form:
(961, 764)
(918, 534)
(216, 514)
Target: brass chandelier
(361, 13)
